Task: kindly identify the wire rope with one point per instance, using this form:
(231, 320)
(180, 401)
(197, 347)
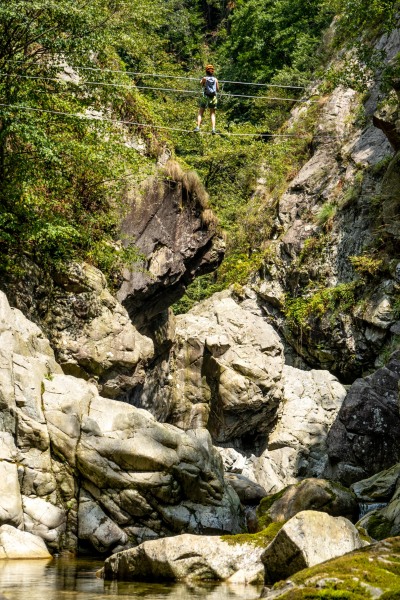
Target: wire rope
(162, 75)
(143, 87)
(149, 125)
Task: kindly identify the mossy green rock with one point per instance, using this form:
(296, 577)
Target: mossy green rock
(372, 572)
(310, 494)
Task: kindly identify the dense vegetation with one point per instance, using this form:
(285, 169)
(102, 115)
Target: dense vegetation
(63, 180)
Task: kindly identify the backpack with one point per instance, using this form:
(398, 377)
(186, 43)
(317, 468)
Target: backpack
(210, 86)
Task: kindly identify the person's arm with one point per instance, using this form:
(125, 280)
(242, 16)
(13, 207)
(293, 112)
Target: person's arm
(217, 85)
(203, 81)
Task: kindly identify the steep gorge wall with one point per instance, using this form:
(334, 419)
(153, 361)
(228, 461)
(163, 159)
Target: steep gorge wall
(331, 281)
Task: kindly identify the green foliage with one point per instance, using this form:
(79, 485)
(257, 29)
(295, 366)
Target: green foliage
(366, 264)
(63, 179)
(326, 214)
(269, 36)
(299, 311)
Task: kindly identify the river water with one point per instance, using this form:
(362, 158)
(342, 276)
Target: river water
(67, 579)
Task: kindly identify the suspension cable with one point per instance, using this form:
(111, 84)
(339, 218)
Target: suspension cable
(143, 87)
(162, 75)
(149, 125)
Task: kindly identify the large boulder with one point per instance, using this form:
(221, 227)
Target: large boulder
(380, 487)
(308, 538)
(371, 572)
(21, 544)
(224, 372)
(296, 448)
(175, 231)
(310, 494)
(78, 468)
(364, 438)
(189, 558)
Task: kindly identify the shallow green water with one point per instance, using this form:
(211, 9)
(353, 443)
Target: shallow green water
(63, 579)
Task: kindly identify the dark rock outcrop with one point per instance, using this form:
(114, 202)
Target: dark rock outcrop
(310, 494)
(365, 437)
(175, 231)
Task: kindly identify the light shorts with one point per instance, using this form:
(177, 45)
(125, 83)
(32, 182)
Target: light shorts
(208, 102)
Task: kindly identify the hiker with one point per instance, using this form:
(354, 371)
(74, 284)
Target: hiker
(209, 99)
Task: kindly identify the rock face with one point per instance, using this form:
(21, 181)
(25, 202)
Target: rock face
(175, 231)
(307, 539)
(297, 445)
(77, 466)
(365, 436)
(90, 332)
(226, 372)
(310, 494)
(319, 284)
(189, 558)
(346, 576)
(223, 373)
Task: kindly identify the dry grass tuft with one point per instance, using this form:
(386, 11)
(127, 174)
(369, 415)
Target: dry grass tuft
(195, 190)
(209, 219)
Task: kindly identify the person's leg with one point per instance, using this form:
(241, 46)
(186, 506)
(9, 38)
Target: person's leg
(213, 117)
(200, 117)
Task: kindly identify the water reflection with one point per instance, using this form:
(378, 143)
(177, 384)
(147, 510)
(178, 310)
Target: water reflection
(63, 579)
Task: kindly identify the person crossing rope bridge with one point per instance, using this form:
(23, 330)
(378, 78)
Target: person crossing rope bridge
(209, 99)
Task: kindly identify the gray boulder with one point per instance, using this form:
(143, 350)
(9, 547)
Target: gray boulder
(310, 494)
(223, 373)
(21, 544)
(308, 538)
(188, 558)
(380, 487)
(364, 439)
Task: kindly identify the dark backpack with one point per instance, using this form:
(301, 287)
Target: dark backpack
(210, 86)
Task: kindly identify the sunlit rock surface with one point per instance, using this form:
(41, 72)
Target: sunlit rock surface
(77, 466)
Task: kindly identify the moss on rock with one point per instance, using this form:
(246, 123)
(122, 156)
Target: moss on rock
(262, 538)
(372, 572)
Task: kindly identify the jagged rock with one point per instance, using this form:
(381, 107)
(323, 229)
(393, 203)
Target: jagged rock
(310, 494)
(93, 468)
(175, 231)
(297, 445)
(187, 557)
(364, 438)
(224, 372)
(20, 544)
(340, 575)
(92, 334)
(344, 194)
(307, 539)
(379, 487)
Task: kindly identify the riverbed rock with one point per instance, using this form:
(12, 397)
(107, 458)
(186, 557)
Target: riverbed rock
(364, 438)
(379, 487)
(249, 492)
(374, 570)
(187, 557)
(20, 544)
(310, 494)
(308, 538)
(383, 522)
